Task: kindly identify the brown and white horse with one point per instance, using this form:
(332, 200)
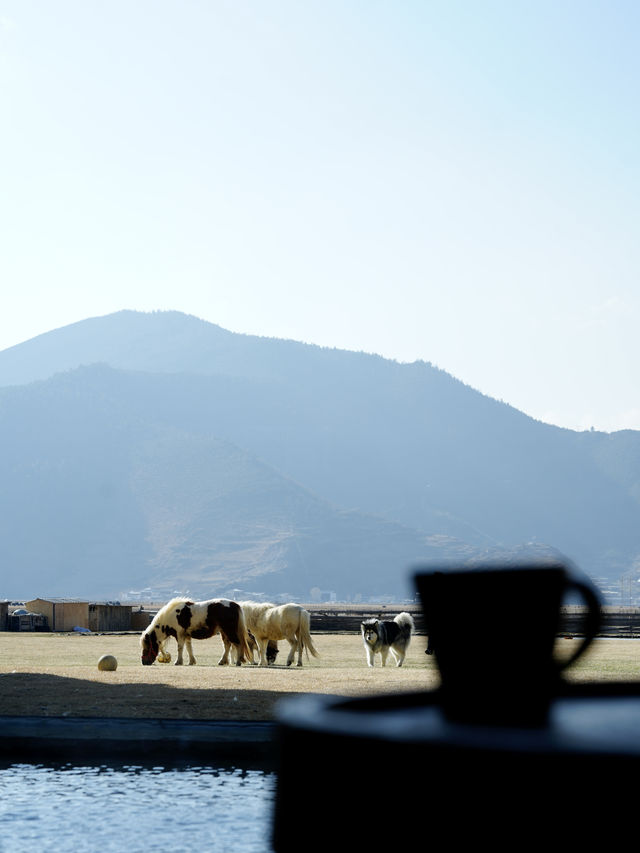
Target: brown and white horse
(269, 623)
(185, 620)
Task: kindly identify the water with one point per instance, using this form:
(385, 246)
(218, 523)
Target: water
(129, 808)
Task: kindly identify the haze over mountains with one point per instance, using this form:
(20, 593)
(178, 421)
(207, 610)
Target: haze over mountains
(161, 452)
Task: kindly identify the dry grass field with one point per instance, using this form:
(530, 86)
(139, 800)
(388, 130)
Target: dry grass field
(57, 675)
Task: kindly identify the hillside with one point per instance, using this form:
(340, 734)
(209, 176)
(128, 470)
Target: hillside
(185, 456)
(102, 495)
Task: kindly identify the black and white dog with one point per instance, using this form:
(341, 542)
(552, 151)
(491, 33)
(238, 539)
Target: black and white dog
(381, 636)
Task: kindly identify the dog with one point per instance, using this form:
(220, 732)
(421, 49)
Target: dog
(383, 636)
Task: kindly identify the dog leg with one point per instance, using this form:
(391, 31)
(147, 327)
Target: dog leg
(369, 652)
(398, 655)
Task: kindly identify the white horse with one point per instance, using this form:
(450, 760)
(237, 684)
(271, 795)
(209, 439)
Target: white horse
(186, 620)
(269, 622)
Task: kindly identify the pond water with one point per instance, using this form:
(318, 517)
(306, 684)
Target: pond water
(132, 808)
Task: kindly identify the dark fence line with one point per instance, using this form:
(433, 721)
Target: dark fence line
(346, 618)
(616, 621)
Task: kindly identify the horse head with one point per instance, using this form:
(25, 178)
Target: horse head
(272, 651)
(150, 647)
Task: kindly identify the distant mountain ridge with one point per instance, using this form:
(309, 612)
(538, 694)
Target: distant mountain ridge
(158, 450)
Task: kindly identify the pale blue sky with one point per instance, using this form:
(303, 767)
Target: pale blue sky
(451, 181)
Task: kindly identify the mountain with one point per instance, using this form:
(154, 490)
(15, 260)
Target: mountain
(157, 450)
(105, 490)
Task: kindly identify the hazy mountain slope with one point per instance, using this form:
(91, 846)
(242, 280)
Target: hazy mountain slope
(405, 442)
(162, 341)
(100, 496)
(67, 508)
(159, 342)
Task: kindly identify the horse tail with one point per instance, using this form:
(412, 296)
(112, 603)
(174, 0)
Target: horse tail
(244, 650)
(305, 634)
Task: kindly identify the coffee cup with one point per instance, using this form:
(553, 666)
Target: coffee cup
(493, 630)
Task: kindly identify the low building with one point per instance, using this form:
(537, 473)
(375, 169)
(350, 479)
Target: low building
(109, 616)
(21, 619)
(61, 614)
(141, 618)
(64, 614)
(4, 615)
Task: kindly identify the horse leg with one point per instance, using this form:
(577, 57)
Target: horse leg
(180, 641)
(253, 646)
(238, 649)
(263, 642)
(224, 660)
(192, 660)
(292, 653)
(163, 654)
(296, 646)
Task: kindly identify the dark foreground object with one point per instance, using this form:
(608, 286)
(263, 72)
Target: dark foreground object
(510, 683)
(395, 770)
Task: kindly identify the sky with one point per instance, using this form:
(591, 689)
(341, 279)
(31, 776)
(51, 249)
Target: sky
(454, 182)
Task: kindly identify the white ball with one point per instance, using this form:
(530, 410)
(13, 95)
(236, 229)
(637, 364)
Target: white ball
(108, 663)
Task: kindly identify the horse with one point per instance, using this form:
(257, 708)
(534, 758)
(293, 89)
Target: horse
(269, 622)
(272, 649)
(198, 620)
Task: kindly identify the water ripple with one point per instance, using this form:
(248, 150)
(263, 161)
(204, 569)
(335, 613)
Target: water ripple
(133, 808)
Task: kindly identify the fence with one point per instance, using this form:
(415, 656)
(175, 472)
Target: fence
(346, 618)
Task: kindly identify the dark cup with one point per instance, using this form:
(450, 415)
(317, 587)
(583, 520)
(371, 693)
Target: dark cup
(493, 629)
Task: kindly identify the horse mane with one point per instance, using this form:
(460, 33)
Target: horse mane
(170, 605)
(257, 605)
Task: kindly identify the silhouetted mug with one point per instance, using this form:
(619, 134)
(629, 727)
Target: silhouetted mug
(493, 630)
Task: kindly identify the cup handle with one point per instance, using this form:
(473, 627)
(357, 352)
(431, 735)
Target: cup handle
(593, 618)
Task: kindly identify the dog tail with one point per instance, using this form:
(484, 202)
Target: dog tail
(405, 622)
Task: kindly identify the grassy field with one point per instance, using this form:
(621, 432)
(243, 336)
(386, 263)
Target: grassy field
(57, 675)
